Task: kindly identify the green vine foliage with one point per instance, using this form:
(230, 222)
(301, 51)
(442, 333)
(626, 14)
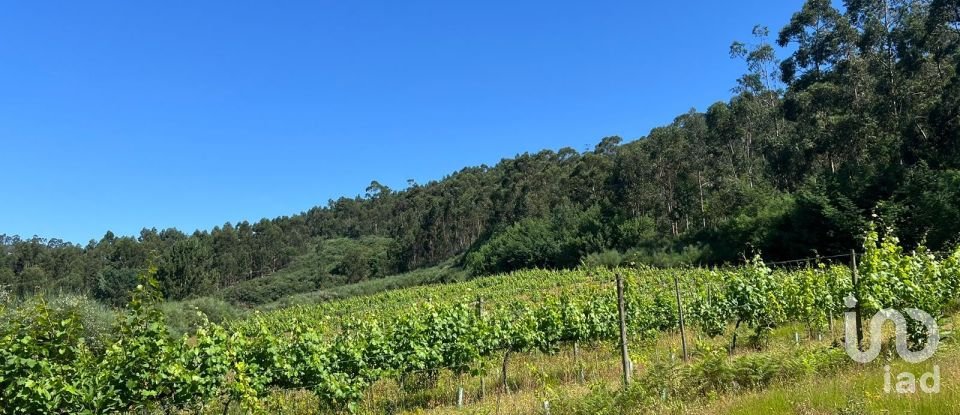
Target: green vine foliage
(47, 365)
(893, 279)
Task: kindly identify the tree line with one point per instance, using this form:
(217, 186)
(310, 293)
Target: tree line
(858, 121)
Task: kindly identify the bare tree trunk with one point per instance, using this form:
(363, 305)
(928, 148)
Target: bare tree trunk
(703, 210)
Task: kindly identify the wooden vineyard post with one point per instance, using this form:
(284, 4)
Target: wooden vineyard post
(577, 362)
(503, 372)
(624, 355)
(832, 338)
(856, 293)
(683, 335)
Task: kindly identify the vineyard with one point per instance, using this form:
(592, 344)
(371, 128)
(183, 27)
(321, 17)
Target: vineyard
(337, 351)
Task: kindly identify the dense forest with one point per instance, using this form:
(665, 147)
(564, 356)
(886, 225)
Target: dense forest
(858, 122)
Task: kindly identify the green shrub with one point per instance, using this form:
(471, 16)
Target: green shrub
(606, 259)
(181, 316)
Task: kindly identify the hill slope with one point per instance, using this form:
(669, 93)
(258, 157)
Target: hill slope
(860, 118)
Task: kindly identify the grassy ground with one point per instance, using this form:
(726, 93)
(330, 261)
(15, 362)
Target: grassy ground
(858, 390)
(843, 387)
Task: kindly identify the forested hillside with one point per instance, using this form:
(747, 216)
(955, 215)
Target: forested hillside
(860, 119)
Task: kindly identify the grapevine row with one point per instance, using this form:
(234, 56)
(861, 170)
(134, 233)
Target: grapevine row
(48, 364)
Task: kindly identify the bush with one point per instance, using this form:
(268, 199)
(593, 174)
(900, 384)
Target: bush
(556, 241)
(668, 258)
(276, 286)
(95, 318)
(181, 316)
(605, 259)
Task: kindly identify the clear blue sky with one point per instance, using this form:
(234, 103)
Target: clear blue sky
(122, 115)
